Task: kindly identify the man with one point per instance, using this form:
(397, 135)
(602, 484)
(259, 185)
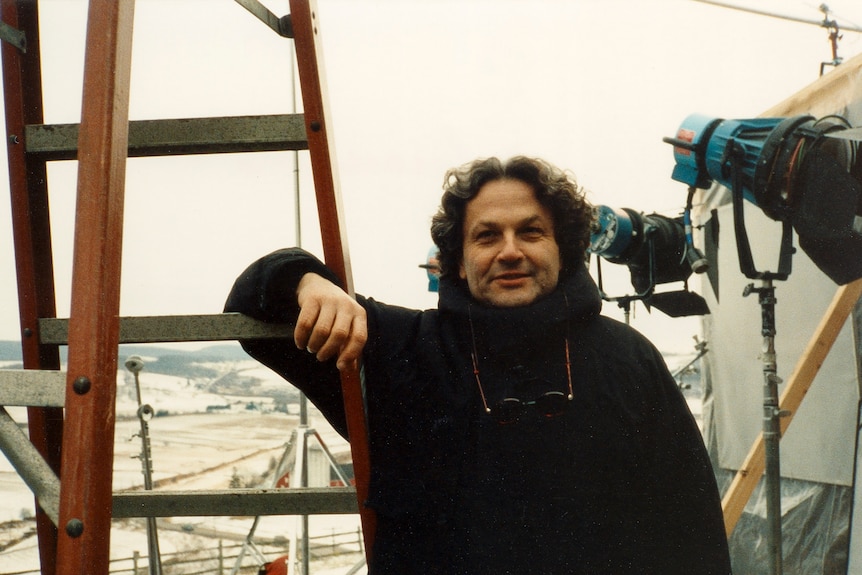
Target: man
(513, 429)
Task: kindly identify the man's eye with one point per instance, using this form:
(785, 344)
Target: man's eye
(533, 232)
(486, 235)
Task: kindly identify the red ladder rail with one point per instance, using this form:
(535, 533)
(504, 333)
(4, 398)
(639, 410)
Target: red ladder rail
(305, 24)
(31, 232)
(88, 442)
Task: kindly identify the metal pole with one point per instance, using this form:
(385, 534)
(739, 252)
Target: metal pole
(302, 464)
(30, 465)
(297, 216)
(303, 400)
(844, 25)
(145, 412)
(771, 426)
(297, 542)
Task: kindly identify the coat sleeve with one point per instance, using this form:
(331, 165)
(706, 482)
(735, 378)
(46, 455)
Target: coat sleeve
(266, 291)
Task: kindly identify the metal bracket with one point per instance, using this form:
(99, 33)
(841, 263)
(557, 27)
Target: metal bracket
(281, 26)
(14, 36)
(743, 246)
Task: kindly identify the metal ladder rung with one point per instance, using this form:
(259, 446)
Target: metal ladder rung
(47, 388)
(235, 502)
(176, 328)
(32, 387)
(180, 136)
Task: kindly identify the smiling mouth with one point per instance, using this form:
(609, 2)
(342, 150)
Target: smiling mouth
(511, 277)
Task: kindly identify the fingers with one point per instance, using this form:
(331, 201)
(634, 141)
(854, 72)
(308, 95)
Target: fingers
(331, 324)
(336, 333)
(305, 323)
(350, 353)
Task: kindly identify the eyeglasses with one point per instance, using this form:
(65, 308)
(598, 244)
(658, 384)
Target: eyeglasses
(510, 409)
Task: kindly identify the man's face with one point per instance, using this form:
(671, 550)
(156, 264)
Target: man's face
(510, 256)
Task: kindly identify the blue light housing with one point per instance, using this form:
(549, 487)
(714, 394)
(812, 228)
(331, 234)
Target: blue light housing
(801, 171)
(612, 233)
(702, 146)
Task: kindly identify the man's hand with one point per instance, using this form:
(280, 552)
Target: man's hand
(330, 323)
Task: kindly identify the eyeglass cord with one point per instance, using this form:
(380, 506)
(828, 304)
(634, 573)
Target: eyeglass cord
(474, 357)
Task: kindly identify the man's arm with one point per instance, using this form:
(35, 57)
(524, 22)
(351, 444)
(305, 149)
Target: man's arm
(268, 291)
(330, 323)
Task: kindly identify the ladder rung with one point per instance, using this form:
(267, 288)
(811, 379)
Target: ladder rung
(32, 387)
(14, 36)
(235, 502)
(182, 136)
(175, 328)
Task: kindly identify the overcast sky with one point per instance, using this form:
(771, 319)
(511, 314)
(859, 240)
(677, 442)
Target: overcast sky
(416, 87)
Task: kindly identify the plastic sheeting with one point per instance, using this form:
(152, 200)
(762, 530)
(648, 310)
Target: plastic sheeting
(816, 517)
(815, 527)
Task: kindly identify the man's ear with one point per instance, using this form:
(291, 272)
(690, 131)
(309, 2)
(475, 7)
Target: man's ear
(461, 272)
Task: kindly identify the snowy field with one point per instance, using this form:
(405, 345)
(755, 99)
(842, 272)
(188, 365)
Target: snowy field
(192, 450)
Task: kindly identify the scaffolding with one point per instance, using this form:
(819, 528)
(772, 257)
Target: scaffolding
(67, 461)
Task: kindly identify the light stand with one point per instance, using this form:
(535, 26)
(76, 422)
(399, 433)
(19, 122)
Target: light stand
(701, 348)
(293, 466)
(802, 172)
(771, 412)
(145, 412)
(301, 559)
(625, 301)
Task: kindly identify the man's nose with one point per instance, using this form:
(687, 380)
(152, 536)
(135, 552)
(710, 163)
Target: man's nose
(511, 248)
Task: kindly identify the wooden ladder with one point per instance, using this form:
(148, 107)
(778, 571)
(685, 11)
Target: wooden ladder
(68, 459)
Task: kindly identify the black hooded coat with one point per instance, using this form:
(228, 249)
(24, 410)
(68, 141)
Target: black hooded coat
(620, 483)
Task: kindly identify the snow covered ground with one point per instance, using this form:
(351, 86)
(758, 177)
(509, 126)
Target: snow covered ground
(191, 450)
